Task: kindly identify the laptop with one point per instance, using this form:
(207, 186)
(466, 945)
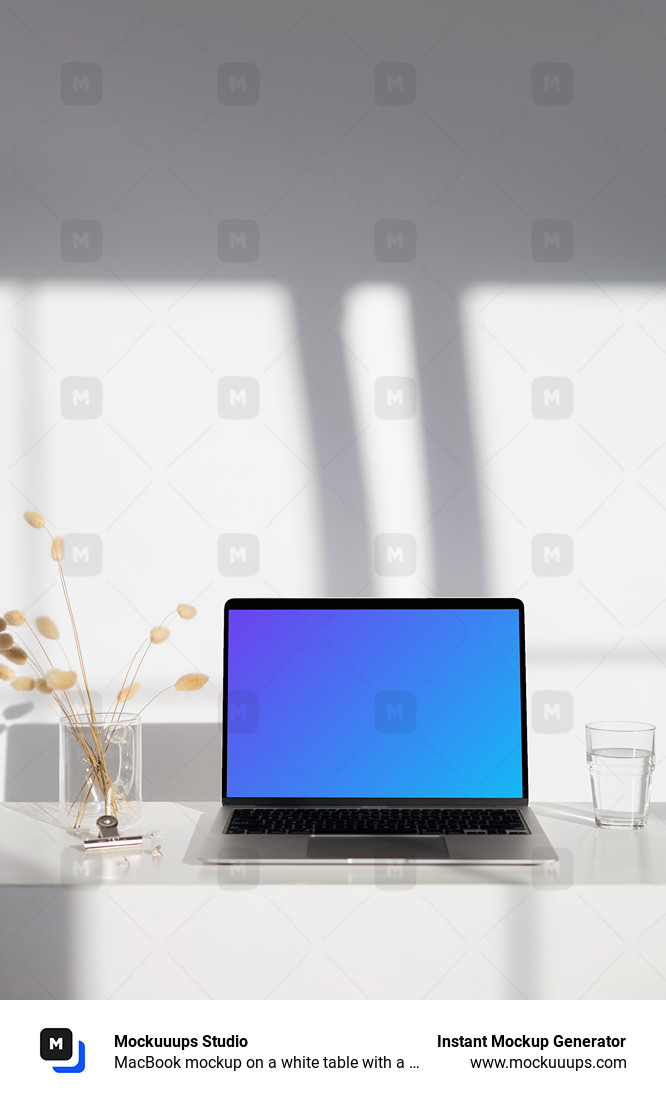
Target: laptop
(375, 731)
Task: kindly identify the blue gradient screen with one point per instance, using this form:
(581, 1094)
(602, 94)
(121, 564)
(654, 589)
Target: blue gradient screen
(374, 703)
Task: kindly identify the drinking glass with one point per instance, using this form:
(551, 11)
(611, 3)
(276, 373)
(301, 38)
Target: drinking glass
(620, 760)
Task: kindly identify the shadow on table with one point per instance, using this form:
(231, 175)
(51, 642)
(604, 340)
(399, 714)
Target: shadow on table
(561, 811)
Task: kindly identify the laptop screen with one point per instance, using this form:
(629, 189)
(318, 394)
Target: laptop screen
(391, 700)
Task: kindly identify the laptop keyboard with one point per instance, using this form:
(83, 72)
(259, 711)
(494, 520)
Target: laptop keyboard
(393, 820)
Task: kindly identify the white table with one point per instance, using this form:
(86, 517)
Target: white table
(92, 925)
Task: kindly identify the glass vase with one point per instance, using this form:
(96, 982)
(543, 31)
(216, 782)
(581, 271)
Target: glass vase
(100, 769)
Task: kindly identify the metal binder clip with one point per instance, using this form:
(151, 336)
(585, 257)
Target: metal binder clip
(108, 835)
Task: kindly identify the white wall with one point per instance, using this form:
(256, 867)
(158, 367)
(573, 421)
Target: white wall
(489, 232)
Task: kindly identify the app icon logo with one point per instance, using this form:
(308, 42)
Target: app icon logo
(56, 1045)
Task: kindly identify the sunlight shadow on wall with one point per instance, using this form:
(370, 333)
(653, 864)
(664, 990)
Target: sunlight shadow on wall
(383, 379)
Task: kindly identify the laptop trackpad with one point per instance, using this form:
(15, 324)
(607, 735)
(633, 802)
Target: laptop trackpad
(377, 847)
